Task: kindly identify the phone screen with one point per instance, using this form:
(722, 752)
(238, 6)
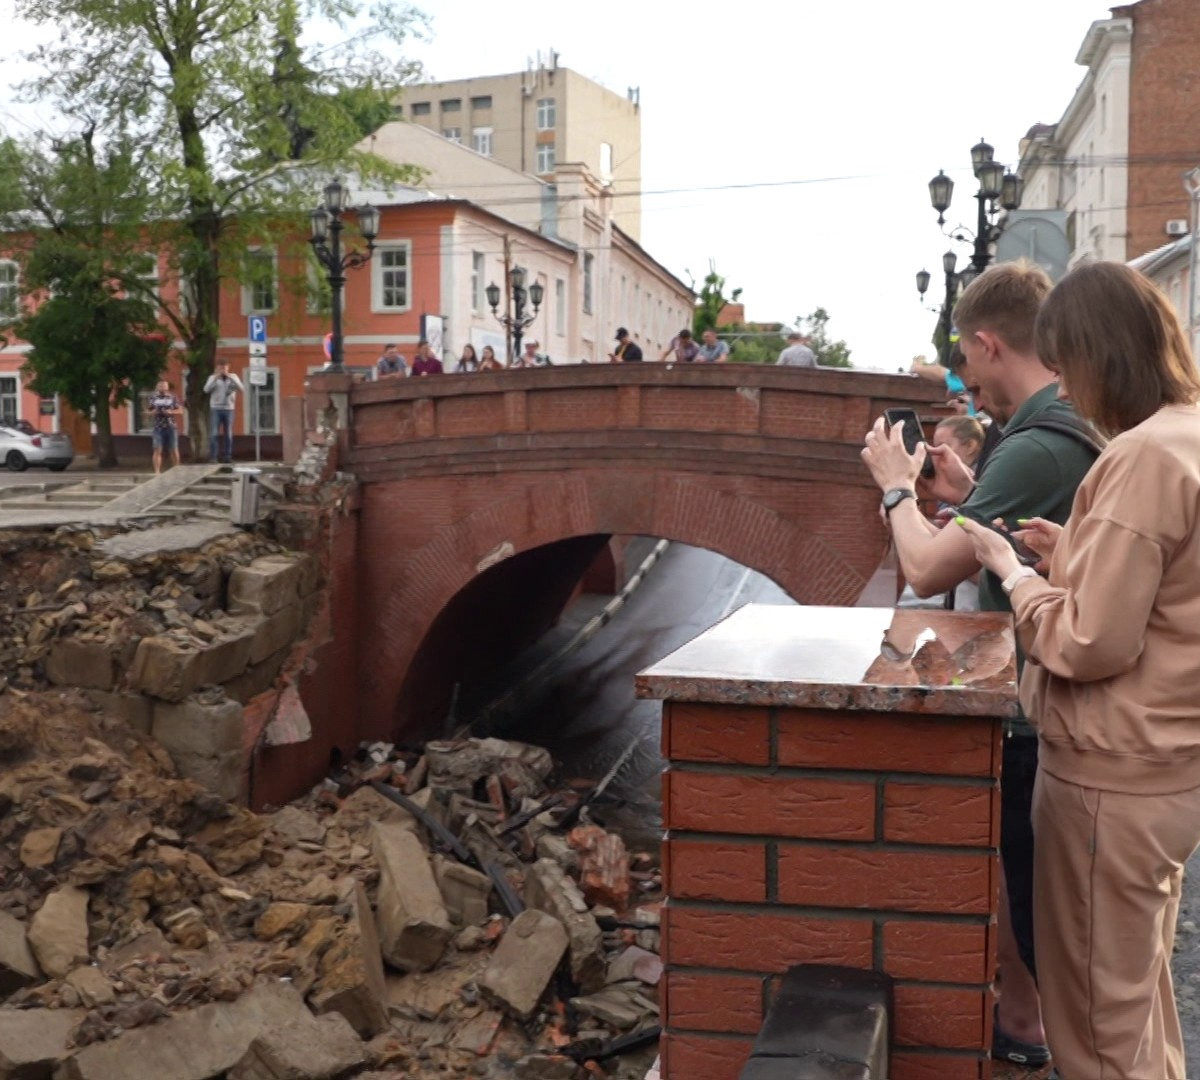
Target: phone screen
(914, 434)
(1025, 555)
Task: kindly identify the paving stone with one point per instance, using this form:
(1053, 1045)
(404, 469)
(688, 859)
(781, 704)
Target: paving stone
(32, 1041)
(198, 1045)
(548, 889)
(524, 963)
(18, 967)
(58, 931)
(321, 1048)
(414, 928)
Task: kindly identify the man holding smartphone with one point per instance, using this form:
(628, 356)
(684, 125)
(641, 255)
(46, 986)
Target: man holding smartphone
(1032, 472)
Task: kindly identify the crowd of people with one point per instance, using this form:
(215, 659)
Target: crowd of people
(1094, 397)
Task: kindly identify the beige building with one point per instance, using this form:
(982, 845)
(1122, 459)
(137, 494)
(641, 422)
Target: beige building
(534, 120)
(563, 229)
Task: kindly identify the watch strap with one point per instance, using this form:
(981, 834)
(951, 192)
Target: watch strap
(895, 496)
(1010, 582)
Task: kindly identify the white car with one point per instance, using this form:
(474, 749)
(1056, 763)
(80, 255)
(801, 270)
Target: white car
(22, 445)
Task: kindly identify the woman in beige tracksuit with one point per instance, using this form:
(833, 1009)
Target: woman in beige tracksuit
(1113, 680)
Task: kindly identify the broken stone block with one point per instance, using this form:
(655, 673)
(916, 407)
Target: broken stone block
(366, 805)
(323, 1048)
(275, 632)
(33, 1041)
(548, 889)
(89, 664)
(547, 1067)
(295, 824)
(58, 931)
(18, 967)
(203, 736)
(291, 722)
(136, 710)
(636, 963)
(197, 1045)
(476, 1034)
(40, 847)
(458, 765)
(524, 963)
(464, 891)
(257, 678)
(620, 1007)
(281, 918)
(414, 928)
(350, 974)
(555, 847)
(92, 986)
(603, 866)
(265, 586)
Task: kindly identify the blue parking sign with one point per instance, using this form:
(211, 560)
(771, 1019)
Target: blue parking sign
(258, 328)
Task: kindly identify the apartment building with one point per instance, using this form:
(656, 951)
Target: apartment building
(536, 119)
(1115, 161)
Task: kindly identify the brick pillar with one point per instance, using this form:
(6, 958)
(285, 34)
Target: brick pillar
(806, 824)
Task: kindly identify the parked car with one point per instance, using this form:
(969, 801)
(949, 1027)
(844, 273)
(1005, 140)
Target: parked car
(22, 445)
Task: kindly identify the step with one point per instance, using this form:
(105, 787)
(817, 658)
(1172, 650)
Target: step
(76, 498)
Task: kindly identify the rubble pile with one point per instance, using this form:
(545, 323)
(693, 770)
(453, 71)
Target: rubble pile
(435, 912)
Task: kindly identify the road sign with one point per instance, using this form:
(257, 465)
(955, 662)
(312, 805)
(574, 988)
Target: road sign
(257, 361)
(258, 348)
(258, 376)
(258, 328)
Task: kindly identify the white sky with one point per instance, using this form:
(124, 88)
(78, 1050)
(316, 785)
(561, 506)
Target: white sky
(848, 108)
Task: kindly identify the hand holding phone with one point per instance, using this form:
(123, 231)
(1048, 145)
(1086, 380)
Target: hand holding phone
(1026, 556)
(914, 434)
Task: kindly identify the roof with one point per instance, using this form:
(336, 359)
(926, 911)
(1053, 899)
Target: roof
(1163, 256)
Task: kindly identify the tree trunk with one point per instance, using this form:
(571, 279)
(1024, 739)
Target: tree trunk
(106, 451)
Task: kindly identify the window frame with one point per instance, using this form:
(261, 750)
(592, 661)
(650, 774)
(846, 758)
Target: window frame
(15, 396)
(10, 310)
(478, 288)
(479, 135)
(378, 307)
(546, 159)
(249, 287)
(547, 114)
(560, 307)
(251, 397)
(589, 261)
(453, 134)
(421, 108)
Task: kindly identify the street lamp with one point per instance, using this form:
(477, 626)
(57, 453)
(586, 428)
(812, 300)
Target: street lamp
(946, 313)
(517, 322)
(998, 188)
(326, 242)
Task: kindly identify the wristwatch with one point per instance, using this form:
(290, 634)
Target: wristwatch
(1010, 582)
(894, 497)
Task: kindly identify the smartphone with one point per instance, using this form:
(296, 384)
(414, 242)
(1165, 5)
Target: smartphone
(914, 434)
(1026, 556)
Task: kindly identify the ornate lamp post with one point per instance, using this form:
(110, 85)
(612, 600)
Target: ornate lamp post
(326, 242)
(998, 189)
(518, 321)
(946, 316)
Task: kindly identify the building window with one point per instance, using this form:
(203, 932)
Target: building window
(318, 297)
(262, 404)
(453, 134)
(483, 102)
(390, 284)
(545, 114)
(545, 158)
(10, 288)
(421, 108)
(588, 261)
(397, 110)
(560, 307)
(452, 105)
(145, 268)
(478, 298)
(10, 399)
(258, 292)
(143, 422)
(606, 161)
(481, 141)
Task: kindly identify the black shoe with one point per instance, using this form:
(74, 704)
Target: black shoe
(1006, 1048)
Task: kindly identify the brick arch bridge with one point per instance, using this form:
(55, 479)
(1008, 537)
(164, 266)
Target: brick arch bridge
(484, 498)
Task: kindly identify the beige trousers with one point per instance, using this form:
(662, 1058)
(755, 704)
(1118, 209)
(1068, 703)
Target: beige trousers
(1108, 869)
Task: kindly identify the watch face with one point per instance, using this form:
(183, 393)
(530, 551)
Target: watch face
(895, 497)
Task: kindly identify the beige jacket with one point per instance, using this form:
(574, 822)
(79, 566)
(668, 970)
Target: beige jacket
(1113, 638)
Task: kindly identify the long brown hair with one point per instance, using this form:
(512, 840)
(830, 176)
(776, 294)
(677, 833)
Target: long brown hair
(1117, 343)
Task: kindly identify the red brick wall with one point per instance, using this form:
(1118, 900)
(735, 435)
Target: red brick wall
(1164, 116)
(806, 836)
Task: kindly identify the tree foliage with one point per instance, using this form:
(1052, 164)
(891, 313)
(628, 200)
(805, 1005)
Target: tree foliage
(236, 128)
(711, 301)
(828, 353)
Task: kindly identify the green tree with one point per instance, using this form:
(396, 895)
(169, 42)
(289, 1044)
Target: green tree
(711, 301)
(816, 328)
(239, 127)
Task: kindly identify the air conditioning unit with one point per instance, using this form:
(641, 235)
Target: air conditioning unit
(1177, 227)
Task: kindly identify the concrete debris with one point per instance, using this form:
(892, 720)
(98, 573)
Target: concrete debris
(548, 889)
(317, 1048)
(58, 931)
(33, 1041)
(18, 967)
(524, 963)
(414, 928)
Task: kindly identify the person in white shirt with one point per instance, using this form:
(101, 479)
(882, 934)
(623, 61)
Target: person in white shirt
(222, 389)
(797, 353)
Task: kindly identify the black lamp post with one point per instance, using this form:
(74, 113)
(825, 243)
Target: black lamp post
(326, 241)
(997, 188)
(946, 315)
(517, 322)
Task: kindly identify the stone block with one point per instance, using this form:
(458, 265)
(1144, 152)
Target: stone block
(92, 986)
(200, 1044)
(548, 889)
(275, 632)
(604, 866)
(164, 668)
(257, 678)
(89, 664)
(18, 967)
(414, 928)
(58, 931)
(350, 980)
(464, 891)
(524, 963)
(136, 710)
(324, 1048)
(33, 1041)
(265, 586)
(206, 725)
